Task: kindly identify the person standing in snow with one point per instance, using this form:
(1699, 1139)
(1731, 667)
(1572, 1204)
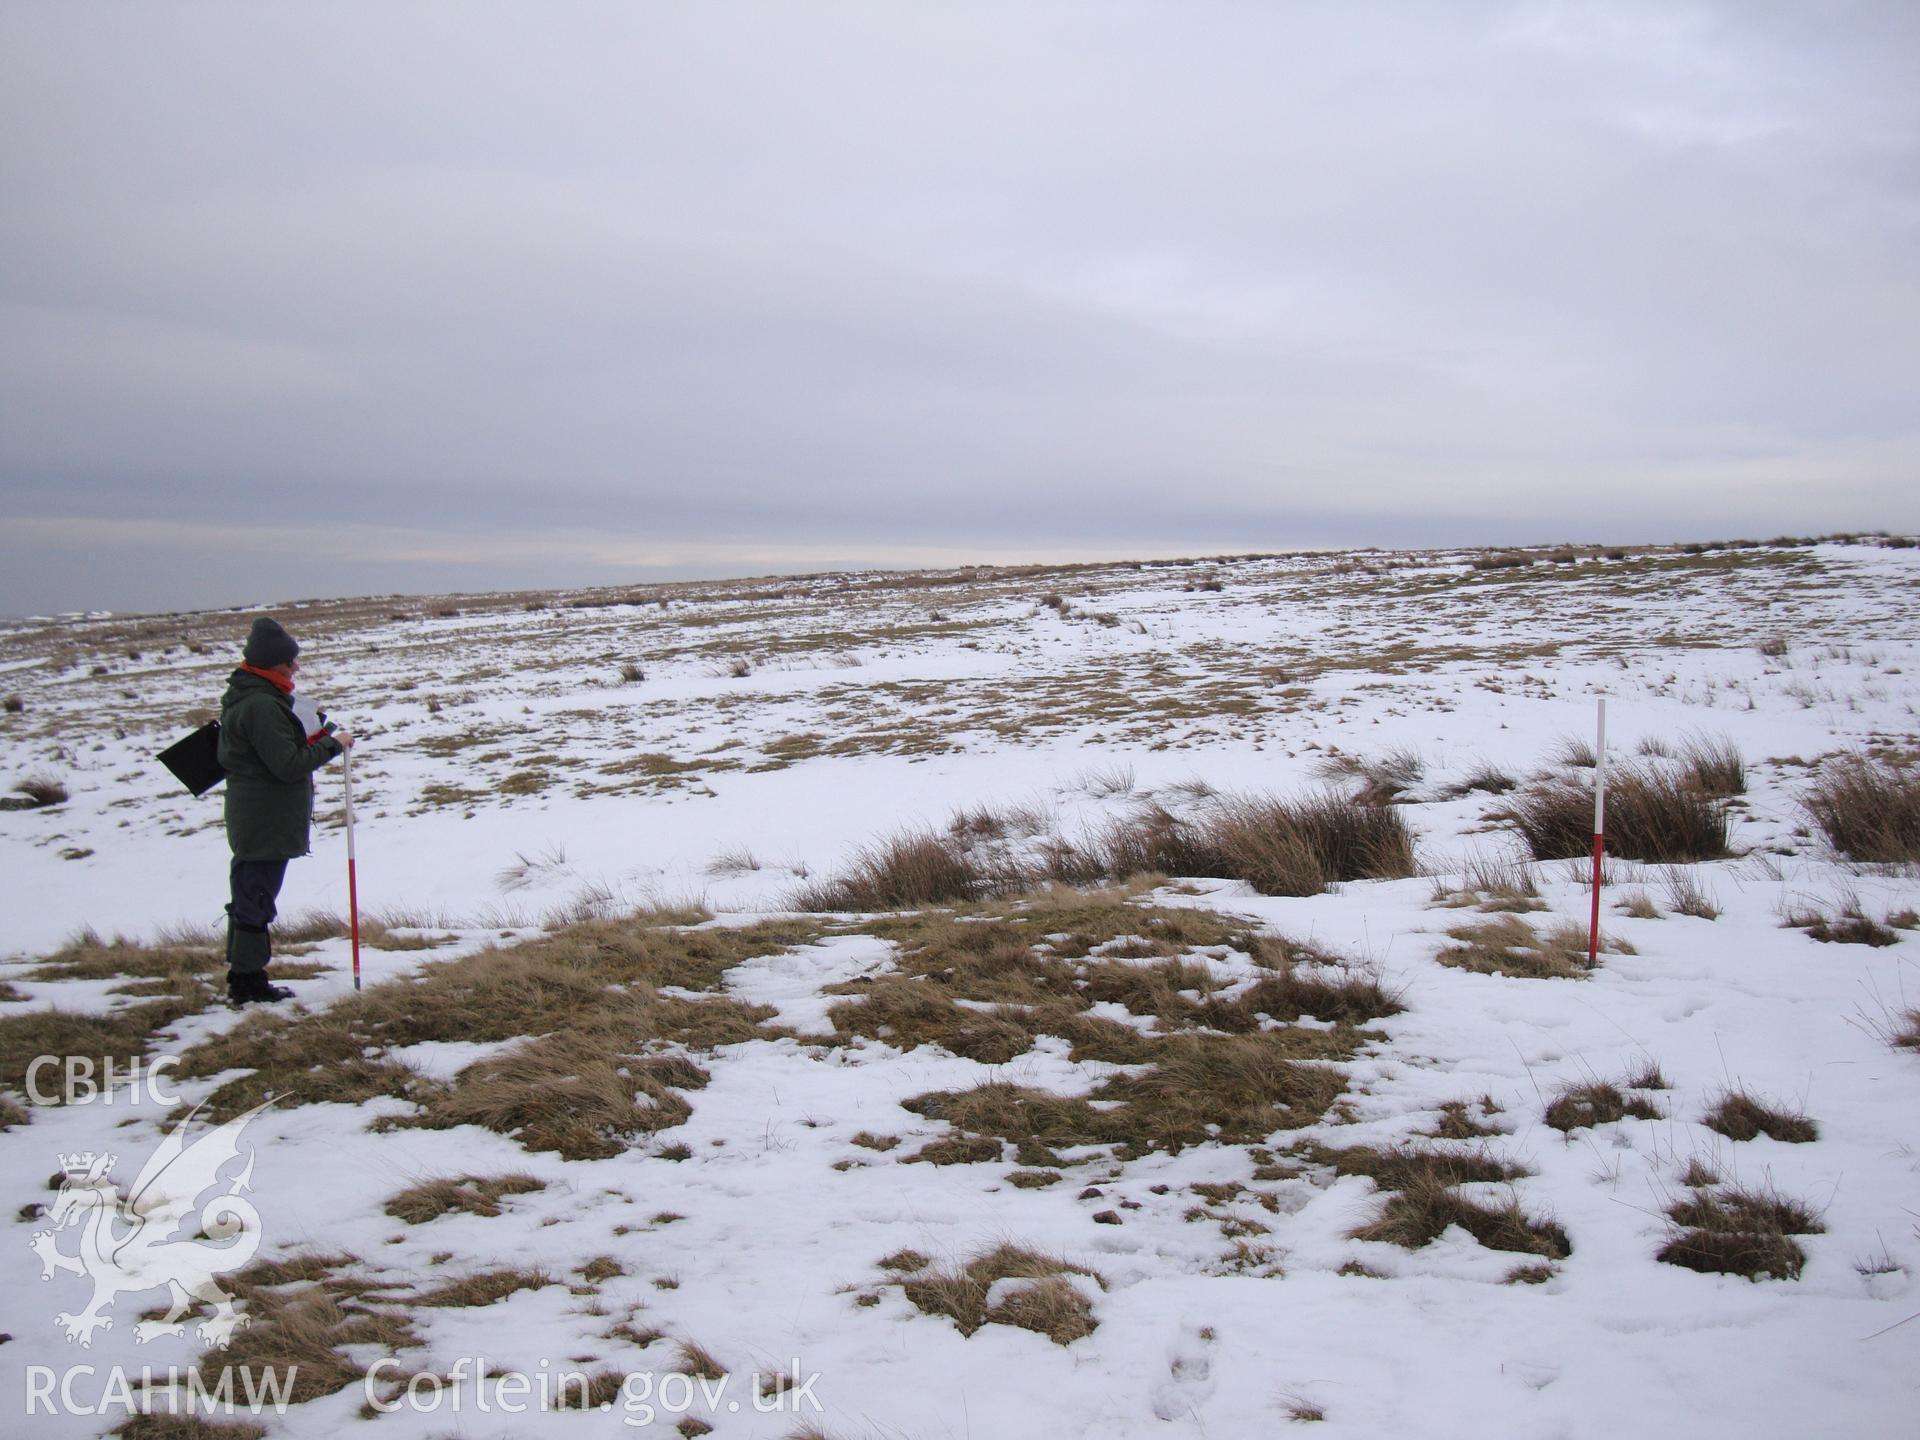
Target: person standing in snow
(271, 742)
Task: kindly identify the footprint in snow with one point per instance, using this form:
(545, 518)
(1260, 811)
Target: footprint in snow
(1189, 1382)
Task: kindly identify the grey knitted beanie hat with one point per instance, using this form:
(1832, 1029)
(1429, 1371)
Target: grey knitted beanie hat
(268, 644)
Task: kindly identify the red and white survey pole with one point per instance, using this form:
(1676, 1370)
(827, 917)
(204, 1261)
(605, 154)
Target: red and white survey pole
(1599, 831)
(353, 888)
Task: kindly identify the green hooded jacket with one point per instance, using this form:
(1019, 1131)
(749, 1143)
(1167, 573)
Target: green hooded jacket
(269, 766)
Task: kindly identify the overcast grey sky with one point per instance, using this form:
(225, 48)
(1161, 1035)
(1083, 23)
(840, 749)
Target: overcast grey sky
(322, 299)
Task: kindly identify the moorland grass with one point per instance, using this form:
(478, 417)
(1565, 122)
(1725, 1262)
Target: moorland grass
(465, 1194)
(1652, 814)
(1739, 1115)
(1278, 846)
(593, 1035)
(1596, 1102)
(1048, 1304)
(1869, 809)
(1739, 1232)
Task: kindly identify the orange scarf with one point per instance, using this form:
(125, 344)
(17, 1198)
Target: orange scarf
(279, 682)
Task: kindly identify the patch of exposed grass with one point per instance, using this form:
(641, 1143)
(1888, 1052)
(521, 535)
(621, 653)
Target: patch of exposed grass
(1421, 1211)
(1699, 1172)
(698, 1361)
(1238, 1089)
(583, 1005)
(41, 791)
(1903, 1030)
(1651, 815)
(985, 987)
(1740, 1232)
(308, 1324)
(1047, 1304)
(468, 1194)
(1596, 1102)
(119, 1035)
(161, 1426)
(1739, 1116)
(601, 1267)
(1868, 808)
(1493, 887)
(1508, 945)
(957, 1150)
(88, 957)
(590, 1392)
(1459, 1121)
(1686, 895)
(1637, 905)
(1846, 924)
(580, 1092)
(1279, 847)
(483, 1287)
(1403, 1167)
(1383, 778)
(1033, 1179)
(1713, 765)
(906, 871)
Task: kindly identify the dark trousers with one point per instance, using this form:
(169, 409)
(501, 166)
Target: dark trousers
(255, 885)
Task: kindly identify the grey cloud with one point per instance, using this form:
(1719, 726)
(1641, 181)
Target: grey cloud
(871, 277)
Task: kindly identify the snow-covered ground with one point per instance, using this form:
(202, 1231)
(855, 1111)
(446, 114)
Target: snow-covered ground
(511, 776)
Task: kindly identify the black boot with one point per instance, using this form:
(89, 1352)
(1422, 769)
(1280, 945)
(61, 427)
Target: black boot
(248, 949)
(248, 987)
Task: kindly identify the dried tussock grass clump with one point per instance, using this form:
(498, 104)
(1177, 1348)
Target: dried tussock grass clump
(41, 791)
(1048, 1303)
(1404, 1167)
(1508, 945)
(1461, 1120)
(1487, 778)
(905, 872)
(1713, 765)
(1279, 847)
(1383, 779)
(1596, 1102)
(1686, 895)
(1740, 1232)
(1847, 924)
(483, 1287)
(1739, 1116)
(467, 1194)
(1869, 809)
(1421, 1211)
(1651, 815)
(1492, 887)
(1903, 1031)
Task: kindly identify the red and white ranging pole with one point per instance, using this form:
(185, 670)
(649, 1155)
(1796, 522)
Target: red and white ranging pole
(353, 889)
(1599, 831)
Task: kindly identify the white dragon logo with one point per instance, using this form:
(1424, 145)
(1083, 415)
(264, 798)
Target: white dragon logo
(128, 1245)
